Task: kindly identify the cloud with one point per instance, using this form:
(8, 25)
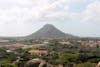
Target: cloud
(16, 1)
(19, 15)
(92, 12)
(40, 10)
(43, 10)
(16, 20)
(79, 1)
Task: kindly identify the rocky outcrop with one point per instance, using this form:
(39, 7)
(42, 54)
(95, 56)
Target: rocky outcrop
(36, 63)
(40, 63)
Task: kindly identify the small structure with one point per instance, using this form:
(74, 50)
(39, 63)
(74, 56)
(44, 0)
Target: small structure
(65, 43)
(3, 41)
(41, 52)
(17, 45)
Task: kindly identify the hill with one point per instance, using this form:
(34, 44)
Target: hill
(50, 32)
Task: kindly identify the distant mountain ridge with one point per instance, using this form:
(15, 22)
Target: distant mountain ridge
(50, 31)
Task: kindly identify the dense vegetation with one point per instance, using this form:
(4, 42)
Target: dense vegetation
(65, 55)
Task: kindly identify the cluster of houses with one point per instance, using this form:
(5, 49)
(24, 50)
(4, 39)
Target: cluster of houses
(13, 46)
(89, 43)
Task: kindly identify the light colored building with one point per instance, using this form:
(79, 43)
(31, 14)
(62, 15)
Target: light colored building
(17, 45)
(38, 52)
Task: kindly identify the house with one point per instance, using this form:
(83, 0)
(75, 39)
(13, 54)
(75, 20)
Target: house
(41, 52)
(65, 43)
(3, 41)
(17, 45)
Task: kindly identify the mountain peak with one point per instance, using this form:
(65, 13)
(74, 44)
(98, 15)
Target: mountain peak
(49, 31)
(48, 26)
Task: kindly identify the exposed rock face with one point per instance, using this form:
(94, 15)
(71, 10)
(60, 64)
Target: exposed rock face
(36, 63)
(40, 63)
(49, 31)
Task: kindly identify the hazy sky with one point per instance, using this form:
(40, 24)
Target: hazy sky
(23, 17)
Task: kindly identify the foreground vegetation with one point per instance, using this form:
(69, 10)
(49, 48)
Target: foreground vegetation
(58, 55)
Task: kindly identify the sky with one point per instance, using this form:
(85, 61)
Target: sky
(24, 17)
